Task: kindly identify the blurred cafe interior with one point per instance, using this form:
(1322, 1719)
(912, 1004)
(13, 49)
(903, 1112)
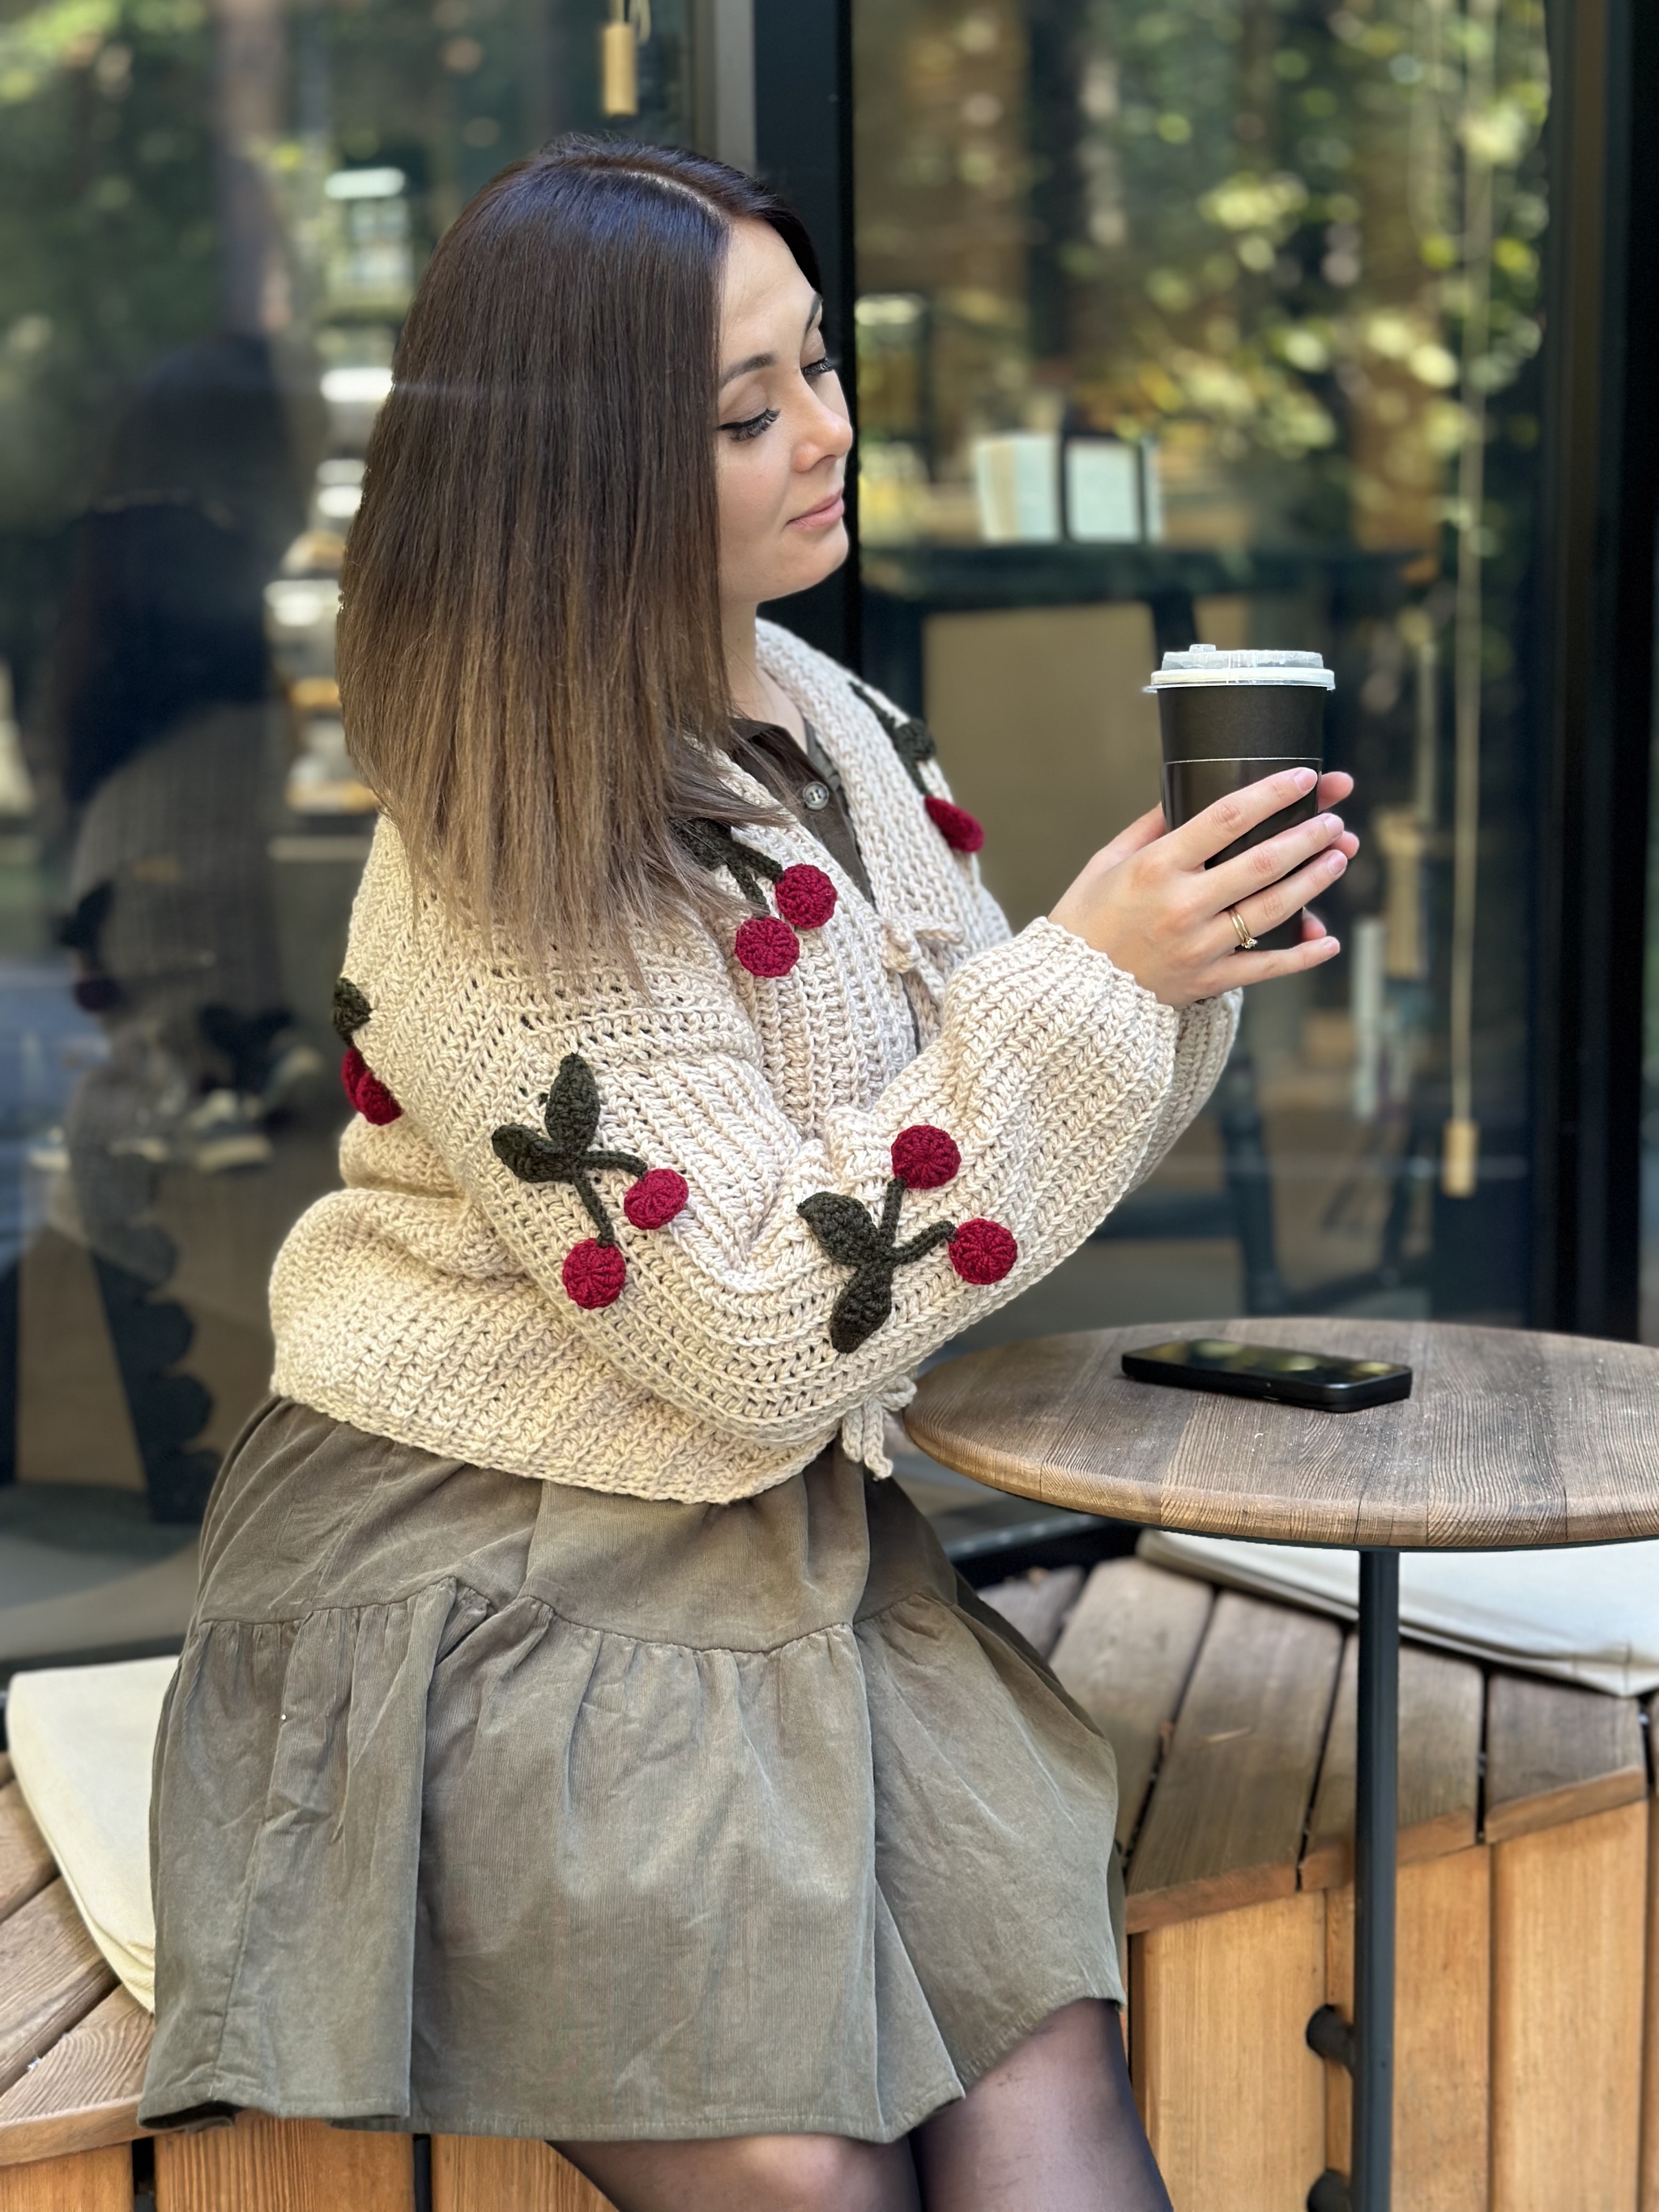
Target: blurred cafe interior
(1305, 323)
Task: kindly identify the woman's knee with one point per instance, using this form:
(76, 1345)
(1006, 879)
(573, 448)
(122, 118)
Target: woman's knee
(821, 2174)
(759, 2173)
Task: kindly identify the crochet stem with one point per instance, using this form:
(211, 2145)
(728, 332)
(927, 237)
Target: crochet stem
(889, 1210)
(631, 1161)
(916, 1247)
(595, 1204)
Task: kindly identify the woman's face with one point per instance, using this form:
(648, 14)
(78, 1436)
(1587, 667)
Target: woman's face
(783, 435)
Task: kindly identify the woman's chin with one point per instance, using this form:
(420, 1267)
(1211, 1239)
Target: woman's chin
(810, 564)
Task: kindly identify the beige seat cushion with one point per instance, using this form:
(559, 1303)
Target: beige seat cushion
(80, 1739)
(1587, 1613)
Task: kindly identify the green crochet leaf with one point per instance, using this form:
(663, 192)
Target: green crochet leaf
(350, 1010)
(844, 1228)
(566, 1154)
(863, 1305)
(573, 1109)
(871, 1249)
(712, 845)
(913, 741)
(531, 1158)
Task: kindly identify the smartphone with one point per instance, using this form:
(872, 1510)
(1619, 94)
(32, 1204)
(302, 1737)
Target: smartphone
(1263, 1370)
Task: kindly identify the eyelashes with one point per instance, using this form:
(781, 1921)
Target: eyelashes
(755, 425)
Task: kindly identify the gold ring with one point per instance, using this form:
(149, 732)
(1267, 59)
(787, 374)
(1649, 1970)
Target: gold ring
(1241, 930)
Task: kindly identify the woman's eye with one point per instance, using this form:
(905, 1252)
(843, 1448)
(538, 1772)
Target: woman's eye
(825, 365)
(754, 426)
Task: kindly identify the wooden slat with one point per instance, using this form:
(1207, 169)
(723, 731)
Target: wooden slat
(1567, 2050)
(1232, 2098)
(1125, 1656)
(93, 2181)
(25, 1864)
(1443, 1998)
(480, 2173)
(1224, 1827)
(1648, 2186)
(1557, 1753)
(1440, 1708)
(284, 2166)
(52, 1974)
(1036, 1604)
(84, 2093)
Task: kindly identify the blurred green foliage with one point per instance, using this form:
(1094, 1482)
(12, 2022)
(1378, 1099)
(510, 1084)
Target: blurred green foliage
(107, 233)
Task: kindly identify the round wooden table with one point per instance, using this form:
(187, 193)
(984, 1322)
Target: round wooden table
(1511, 1439)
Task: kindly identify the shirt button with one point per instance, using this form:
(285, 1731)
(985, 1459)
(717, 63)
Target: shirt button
(815, 795)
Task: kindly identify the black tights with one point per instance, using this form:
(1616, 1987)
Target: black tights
(1053, 2129)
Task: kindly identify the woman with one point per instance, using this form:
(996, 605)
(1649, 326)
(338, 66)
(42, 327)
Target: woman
(577, 1738)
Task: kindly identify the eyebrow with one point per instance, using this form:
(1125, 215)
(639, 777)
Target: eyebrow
(770, 360)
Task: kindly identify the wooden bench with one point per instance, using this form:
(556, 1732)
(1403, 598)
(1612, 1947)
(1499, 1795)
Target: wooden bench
(1528, 2031)
(1525, 2081)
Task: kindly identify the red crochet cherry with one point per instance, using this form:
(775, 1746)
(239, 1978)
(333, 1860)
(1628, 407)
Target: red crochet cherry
(656, 1198)
(366, 1091)
(982, 1251)
(960, 832)
(766, 946)
(594, 1273)
(805, 896)
(924, 1156)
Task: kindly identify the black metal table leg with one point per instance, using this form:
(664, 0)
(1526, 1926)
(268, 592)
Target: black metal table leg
(1376, 1821)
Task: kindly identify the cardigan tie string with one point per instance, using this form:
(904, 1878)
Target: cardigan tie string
(914, 946)
(864, 1430)
(914, 951)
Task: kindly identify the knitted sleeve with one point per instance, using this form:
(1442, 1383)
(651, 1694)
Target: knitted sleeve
(1205, 1039)
(629, 1153)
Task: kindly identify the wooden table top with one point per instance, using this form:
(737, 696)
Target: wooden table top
(1511, 1438)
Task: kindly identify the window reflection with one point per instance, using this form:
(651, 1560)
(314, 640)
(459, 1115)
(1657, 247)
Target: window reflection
(1220, 320)
(216, 216)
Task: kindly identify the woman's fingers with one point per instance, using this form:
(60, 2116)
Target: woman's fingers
(1314, 853)
(1294, 960)
(1235, 967)
(1230, 818)
(1150, 900)
(1144, 831)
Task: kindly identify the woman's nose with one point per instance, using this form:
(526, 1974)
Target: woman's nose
(830, 433)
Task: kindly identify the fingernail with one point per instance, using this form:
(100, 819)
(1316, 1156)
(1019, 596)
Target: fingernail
(1336, 862)
(1303, 778)
(1332, 823)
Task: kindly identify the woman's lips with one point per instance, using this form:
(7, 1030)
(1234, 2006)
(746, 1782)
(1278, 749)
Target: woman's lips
(821, 516)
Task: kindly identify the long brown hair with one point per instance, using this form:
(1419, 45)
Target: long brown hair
(531, 666)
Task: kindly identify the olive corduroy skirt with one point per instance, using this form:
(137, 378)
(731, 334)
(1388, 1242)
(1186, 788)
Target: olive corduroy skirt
(486, 1806)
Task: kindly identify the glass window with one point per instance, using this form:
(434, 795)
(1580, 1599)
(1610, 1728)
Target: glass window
(214, 217)
(1210, 319)
(1220, 320)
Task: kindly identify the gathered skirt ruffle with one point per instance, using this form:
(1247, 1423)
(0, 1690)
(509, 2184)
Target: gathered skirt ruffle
(491, 1807)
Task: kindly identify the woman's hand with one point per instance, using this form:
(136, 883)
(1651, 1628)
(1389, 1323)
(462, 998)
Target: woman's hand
(1150, 903)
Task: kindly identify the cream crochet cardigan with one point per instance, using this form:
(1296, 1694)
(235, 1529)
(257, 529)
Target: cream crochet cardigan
(672, 1338)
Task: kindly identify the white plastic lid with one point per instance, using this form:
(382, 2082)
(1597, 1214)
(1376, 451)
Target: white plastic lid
(1208, 664)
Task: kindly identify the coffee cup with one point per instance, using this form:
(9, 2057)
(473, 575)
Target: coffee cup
(1229, 719)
